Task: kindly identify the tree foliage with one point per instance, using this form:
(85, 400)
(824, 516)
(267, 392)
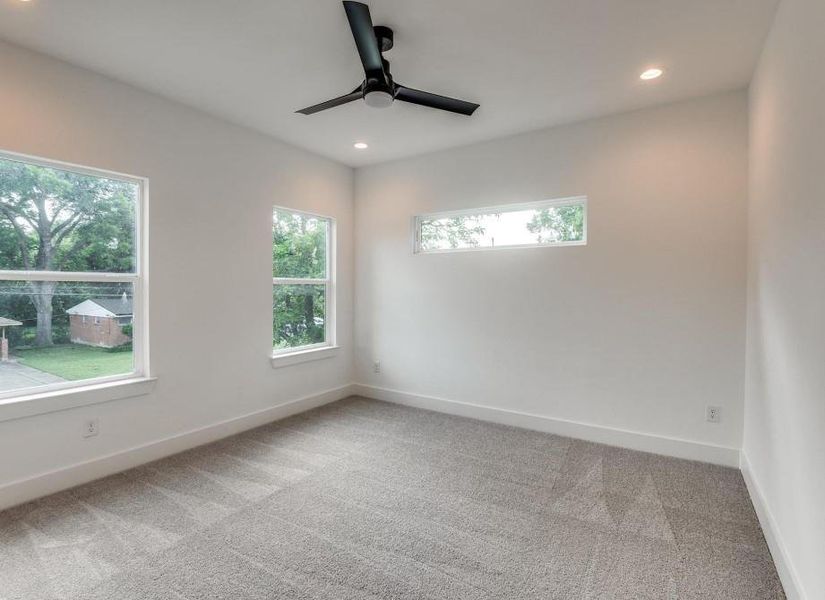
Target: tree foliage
(299, 246)
(558, 224)
(461, 231)
(299, 314)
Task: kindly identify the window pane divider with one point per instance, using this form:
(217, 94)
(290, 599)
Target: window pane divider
(68, 276)
(298, 281)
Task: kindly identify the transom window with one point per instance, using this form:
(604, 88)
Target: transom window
(302, 281)
(70, 276)
(546, 223)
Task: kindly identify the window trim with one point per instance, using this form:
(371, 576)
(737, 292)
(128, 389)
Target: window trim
(98, 392)
(306, 354)
(288, 356)
(138, 279)
(501, 208)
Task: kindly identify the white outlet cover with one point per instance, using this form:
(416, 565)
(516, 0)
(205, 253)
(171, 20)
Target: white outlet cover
(91, 428)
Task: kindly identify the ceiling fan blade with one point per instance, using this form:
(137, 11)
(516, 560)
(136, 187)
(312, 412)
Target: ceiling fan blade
(354, 95)
(362, 30)
(434, 100)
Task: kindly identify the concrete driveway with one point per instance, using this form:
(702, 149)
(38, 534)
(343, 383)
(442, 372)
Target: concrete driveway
(16, 376)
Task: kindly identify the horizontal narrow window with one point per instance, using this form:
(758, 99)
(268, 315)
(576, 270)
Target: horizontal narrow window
(70, 276)
(546, 223)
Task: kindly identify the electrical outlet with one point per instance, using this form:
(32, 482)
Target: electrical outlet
(376, 366)
(713, 414)
(91, 428)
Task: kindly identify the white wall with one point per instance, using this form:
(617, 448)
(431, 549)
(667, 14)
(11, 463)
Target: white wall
(212, 187)
(784, 438)
(638, 330)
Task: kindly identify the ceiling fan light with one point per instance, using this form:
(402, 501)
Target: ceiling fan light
(378, 99)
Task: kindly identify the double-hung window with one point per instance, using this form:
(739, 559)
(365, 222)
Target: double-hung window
(303, 289)
(70, 274)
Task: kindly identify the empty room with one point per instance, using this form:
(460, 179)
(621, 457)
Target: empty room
(393, 300)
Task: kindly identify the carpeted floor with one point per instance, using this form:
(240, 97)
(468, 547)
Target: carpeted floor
(363, 499)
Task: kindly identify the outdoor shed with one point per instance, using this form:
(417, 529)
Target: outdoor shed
(100, 321)
(4, 343)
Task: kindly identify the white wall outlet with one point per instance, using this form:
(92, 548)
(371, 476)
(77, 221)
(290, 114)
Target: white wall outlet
(91, 427)
(713, 414)
(376, 366)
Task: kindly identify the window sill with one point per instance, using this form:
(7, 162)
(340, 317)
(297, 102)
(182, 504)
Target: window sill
(96, 393)
(301, 356)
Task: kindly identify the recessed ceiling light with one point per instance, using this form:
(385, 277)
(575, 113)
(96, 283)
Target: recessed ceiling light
(360, 145)
(651, 74)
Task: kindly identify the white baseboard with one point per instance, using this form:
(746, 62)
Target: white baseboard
(646, 442)
(779, 552)
(24, 490)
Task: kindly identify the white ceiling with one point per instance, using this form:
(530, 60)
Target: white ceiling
(529, 63)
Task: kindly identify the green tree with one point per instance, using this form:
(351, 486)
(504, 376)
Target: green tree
(461, 231)
(299, 246)
(62, 221)
(299, 315)
(558, 224)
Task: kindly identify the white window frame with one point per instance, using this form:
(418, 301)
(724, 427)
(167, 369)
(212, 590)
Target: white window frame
(103, 388)
(325, 349)
(502, 208)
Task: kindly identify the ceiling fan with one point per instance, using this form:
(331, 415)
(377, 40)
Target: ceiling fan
(378, 89)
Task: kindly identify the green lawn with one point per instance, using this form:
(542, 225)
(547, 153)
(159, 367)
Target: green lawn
(75, 362)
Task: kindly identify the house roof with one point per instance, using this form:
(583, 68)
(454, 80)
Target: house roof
(4, 322)
(117, 306)
(103, 307)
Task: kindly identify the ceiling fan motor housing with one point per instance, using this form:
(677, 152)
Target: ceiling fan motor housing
(378, 99)
(379, 94)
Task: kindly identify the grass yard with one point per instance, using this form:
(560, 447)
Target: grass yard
(75, 362)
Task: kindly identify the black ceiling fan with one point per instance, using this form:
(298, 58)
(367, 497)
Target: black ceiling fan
(378, 88)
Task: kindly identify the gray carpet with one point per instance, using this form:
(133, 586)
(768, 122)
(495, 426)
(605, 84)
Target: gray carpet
(367, 500)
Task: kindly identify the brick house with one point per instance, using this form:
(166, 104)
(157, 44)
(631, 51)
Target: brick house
(98, 321)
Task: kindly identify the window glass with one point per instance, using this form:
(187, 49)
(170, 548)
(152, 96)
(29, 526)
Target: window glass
(538, 224)
(80, 338)
(299, 315)
(57, 220)
(299, 247)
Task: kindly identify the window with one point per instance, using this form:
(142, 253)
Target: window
(69, 257)
(303, 293)
(547, 223)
